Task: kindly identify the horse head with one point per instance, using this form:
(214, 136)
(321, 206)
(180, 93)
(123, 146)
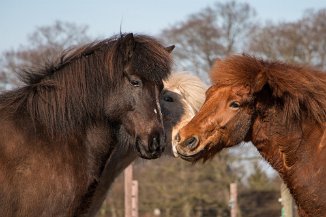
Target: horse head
(145, 63)
(226, 115)
(223, 121)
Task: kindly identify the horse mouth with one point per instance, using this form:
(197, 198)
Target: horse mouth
(192, 157)
(143, 153)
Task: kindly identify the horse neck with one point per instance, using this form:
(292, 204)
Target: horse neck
(118, 161)
(298, 154)
(268, 145)
(281, 144)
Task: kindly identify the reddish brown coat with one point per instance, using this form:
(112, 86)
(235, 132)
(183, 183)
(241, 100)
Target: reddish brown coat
(281, 109)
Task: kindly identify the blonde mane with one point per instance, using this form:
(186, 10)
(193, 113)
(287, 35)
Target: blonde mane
(190, 87)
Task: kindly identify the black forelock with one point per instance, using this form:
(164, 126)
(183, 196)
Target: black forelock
(151, 60)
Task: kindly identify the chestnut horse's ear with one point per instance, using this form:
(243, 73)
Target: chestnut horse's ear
(170, 48)
(260, 82)
(129, 46)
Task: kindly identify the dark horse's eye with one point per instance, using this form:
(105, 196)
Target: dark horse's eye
(168, 99)
(136, 83)
(235, 105)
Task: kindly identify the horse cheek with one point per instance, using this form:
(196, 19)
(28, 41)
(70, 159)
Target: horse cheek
(239, 128)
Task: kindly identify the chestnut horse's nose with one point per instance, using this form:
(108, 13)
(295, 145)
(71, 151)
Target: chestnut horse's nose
(192, 142)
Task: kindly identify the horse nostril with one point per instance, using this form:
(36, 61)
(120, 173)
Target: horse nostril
(155, 145)
(192, 142)
(177, 137)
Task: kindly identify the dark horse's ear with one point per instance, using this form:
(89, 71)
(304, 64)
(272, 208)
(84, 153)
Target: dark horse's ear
(170, 48)
(129, 46)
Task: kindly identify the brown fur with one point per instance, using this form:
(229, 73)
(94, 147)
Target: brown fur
(59, 129)
(281, 109)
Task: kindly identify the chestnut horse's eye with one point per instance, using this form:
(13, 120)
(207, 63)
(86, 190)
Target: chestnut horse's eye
(136, 83)
(235, 105)
(168, 99)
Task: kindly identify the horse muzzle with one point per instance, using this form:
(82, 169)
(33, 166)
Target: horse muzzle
(187, 149)
(154, 148)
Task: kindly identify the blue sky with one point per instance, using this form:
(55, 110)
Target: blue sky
(19, 18)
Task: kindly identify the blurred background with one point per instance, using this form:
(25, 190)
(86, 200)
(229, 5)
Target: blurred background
(293, 31)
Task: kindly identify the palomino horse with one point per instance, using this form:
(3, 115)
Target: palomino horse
(181, 98)
(58, 130)
(281, 109)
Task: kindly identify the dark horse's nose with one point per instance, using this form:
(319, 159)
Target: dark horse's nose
(156, 145)
(191, 142)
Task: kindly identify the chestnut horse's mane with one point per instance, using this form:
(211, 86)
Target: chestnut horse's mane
(300, 90)
(66, 93)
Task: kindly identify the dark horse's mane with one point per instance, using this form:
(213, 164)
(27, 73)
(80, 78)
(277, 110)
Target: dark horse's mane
(300, 90)
(61, 96)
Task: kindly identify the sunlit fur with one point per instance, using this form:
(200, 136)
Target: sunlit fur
(188, 94)
(282, 111)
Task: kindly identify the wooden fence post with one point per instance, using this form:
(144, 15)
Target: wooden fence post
(134, 199)
(233, 203)
(128, 190)
(287, 202)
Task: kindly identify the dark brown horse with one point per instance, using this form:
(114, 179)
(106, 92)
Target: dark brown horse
(59, 129)
(281, 109)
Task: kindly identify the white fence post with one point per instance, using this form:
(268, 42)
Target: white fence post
(233, 199)
(134, 198)
(128, 190)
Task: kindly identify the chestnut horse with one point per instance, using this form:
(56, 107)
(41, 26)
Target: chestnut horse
(59, 129)
(181, 98)
(281, 109)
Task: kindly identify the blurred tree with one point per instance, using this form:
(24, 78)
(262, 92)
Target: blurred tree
(259, 180)
(179, 188)
(302, 41)
(214, 32)
(260, 196)
(44, 44)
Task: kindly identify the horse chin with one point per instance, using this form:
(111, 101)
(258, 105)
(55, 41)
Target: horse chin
(174, 150)
(143, 153)
(191, 157)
